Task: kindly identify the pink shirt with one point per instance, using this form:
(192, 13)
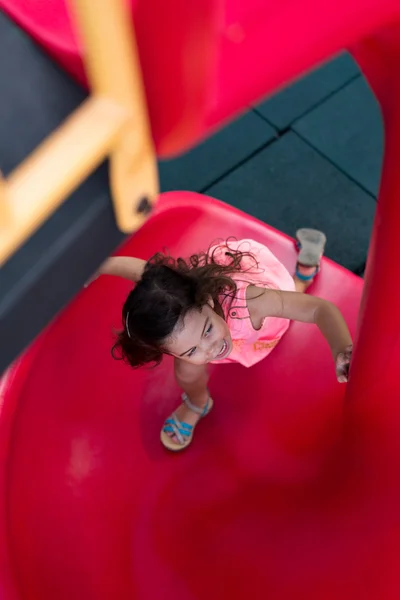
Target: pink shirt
(250, 345)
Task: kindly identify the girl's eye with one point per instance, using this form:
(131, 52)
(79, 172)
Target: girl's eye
(209, 329)
(192, 351)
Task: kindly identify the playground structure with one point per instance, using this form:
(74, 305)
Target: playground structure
(292, 490)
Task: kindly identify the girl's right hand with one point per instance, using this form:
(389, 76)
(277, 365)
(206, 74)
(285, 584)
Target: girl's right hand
(343, 360)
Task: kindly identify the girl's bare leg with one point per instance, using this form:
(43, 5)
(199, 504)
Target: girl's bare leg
(301, 286)
(192, 379)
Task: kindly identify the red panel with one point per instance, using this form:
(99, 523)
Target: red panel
(375, 385)
(205, 60)
(8, 404)
(287, 492)
(281, 494)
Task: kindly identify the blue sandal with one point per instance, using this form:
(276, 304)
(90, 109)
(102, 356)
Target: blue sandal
(182, 431)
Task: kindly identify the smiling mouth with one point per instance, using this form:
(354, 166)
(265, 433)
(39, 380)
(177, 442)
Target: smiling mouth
(223, 349)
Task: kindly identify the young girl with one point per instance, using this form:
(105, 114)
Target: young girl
(230, 304)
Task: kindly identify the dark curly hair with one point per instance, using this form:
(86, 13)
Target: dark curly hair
(168, 290)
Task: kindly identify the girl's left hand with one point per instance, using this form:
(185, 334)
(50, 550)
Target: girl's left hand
(343, 360)
(91, 279)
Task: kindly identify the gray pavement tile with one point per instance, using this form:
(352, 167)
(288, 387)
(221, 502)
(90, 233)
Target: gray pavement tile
(348, 130)
(210, 160)
(289, 185)
(294, 101)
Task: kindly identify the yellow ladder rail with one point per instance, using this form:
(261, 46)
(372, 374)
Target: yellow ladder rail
(112, 122)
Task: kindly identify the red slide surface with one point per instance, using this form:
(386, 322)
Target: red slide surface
(284, 494)
(291, 489)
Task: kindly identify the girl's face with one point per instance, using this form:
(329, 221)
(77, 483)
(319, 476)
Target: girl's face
(203, 338)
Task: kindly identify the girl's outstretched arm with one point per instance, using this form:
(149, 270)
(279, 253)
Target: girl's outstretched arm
(264, 303)
(122, 266)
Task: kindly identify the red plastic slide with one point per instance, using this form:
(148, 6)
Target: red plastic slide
(292, 488)
(288, 492)
(275, 498)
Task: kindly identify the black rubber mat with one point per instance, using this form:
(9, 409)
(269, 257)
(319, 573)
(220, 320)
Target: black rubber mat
(289, 185)
(348, 130)
(212, 159)
(299, 98)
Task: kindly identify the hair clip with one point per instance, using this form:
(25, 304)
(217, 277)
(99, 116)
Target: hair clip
(126, 325)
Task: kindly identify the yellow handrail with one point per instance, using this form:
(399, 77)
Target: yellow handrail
(112, 122)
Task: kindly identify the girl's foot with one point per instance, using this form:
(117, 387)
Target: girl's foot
(178, 429)
(311, 245)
